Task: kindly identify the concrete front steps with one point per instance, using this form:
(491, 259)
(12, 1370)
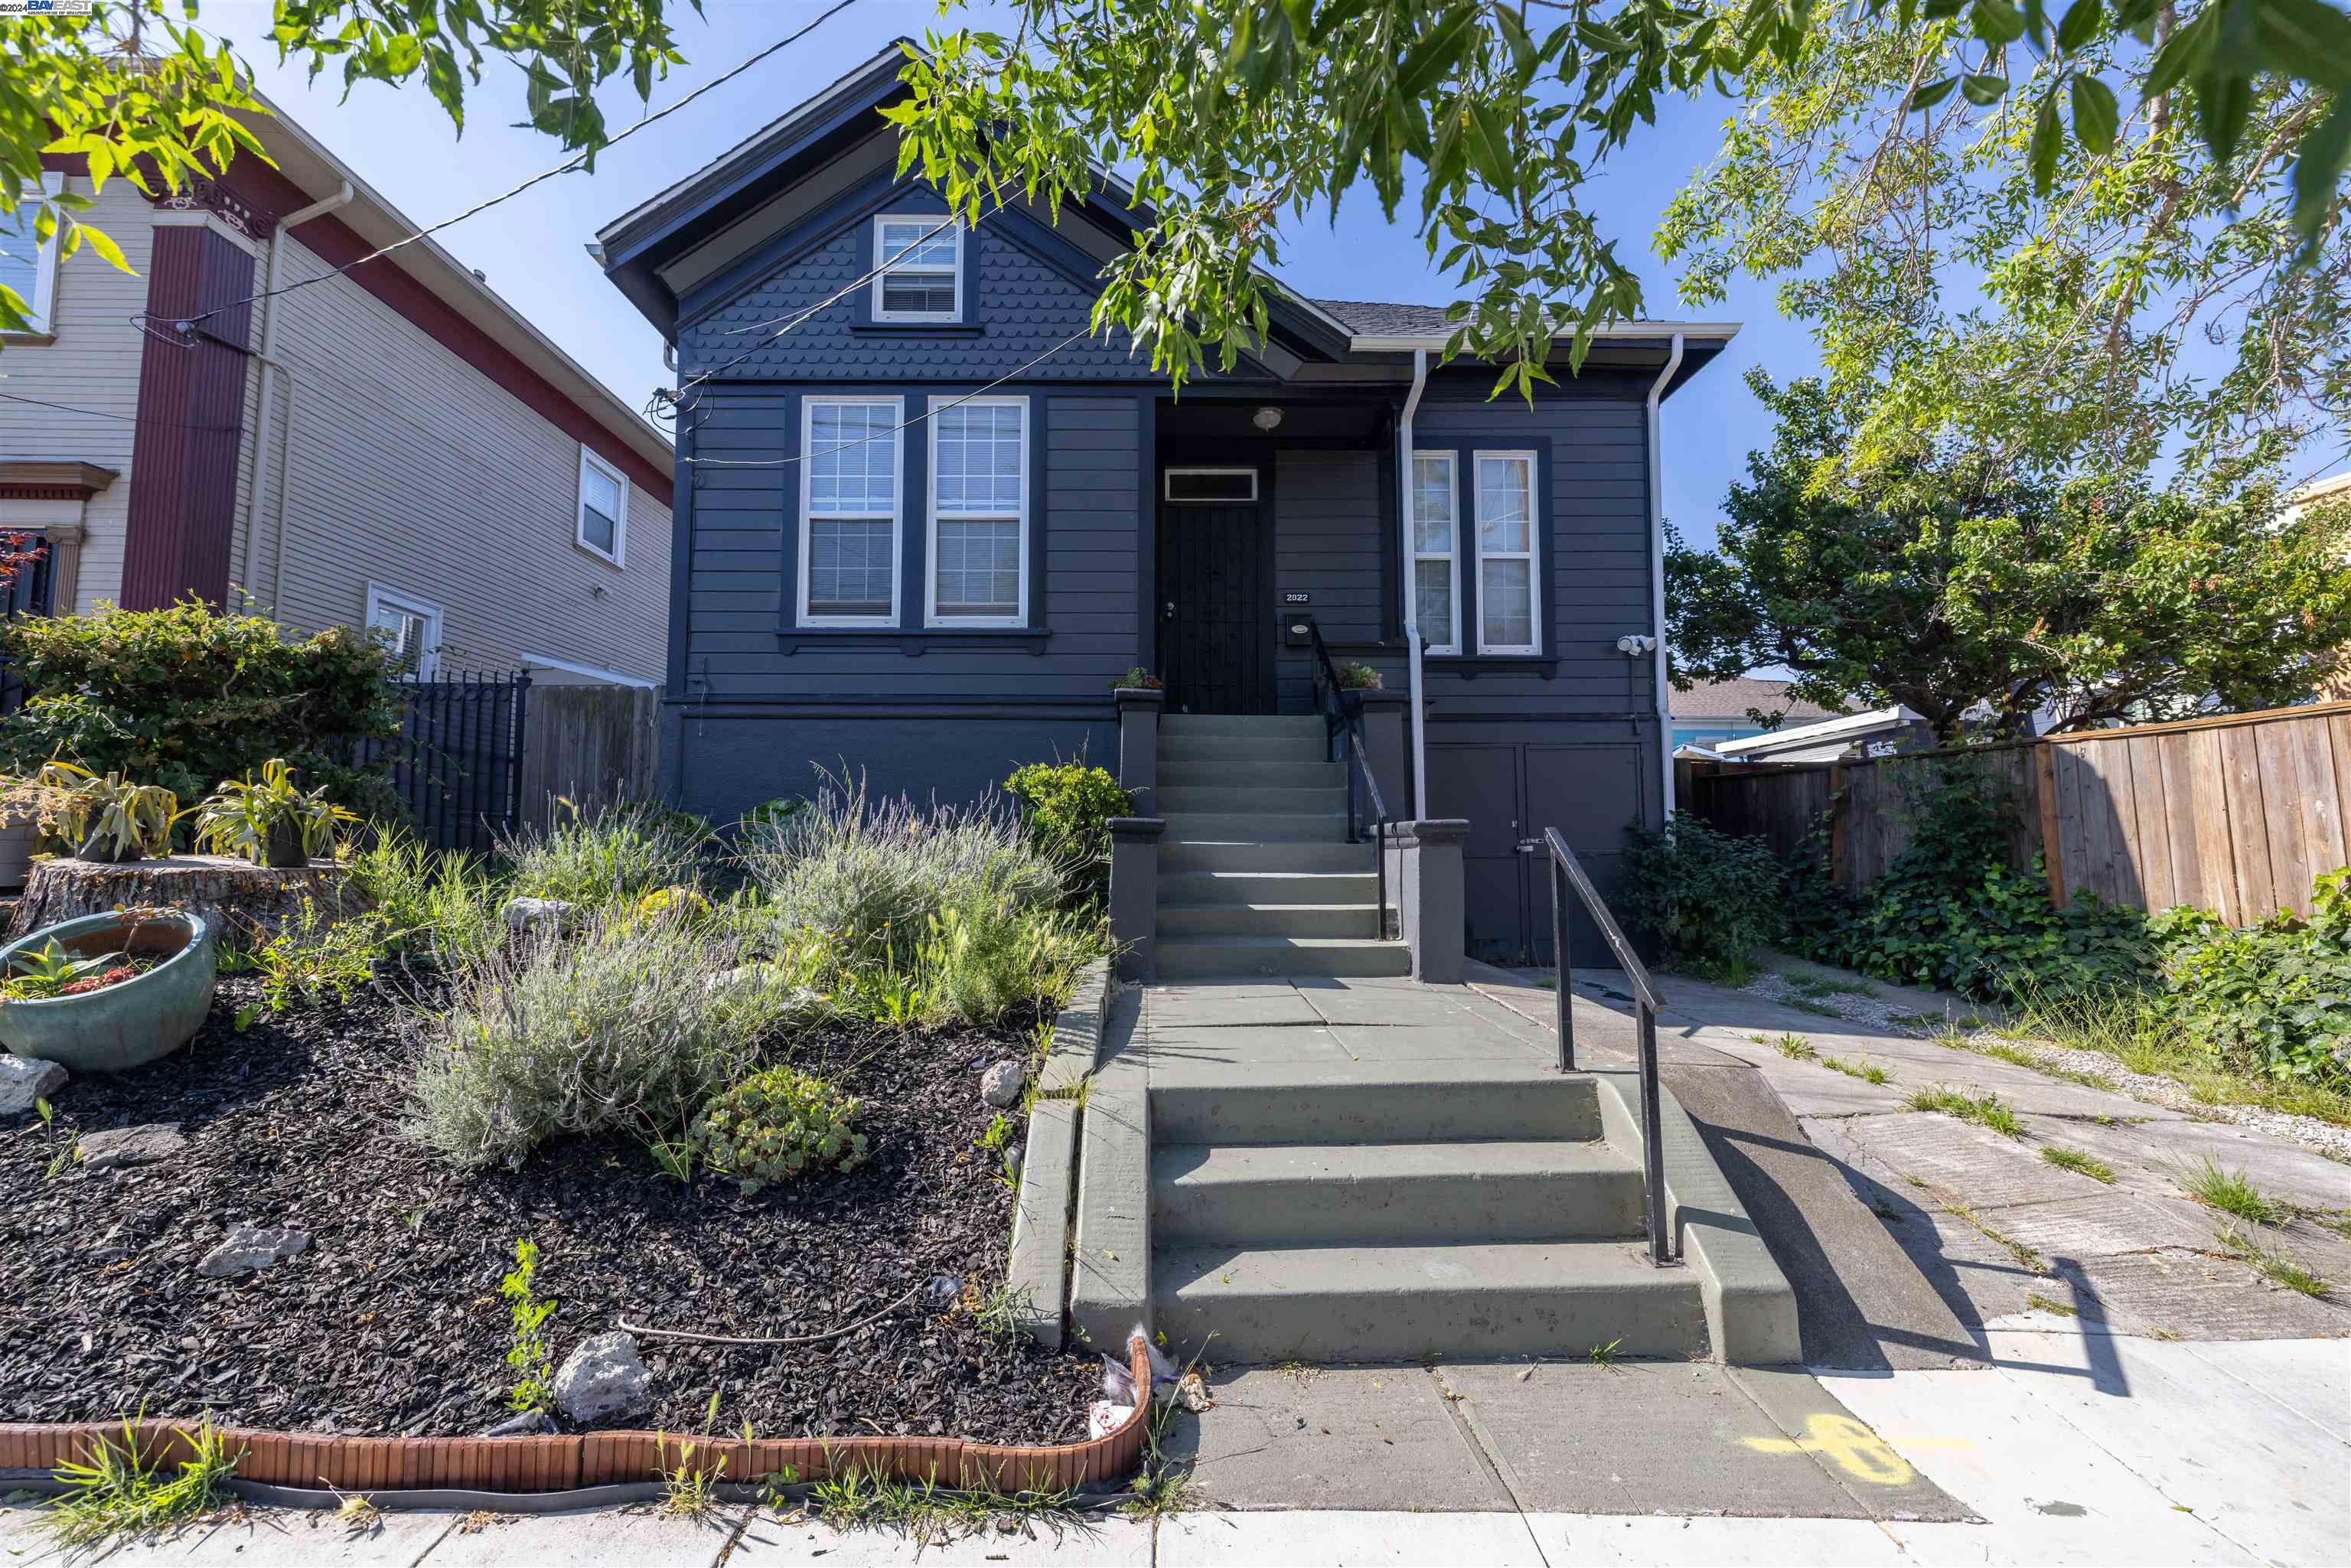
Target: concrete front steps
(1256, 876)
(1388, 1219)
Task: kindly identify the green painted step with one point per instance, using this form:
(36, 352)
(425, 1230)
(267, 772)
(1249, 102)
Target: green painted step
(1268, 919)
(1240, 957)
(1294, 1195)
(1183, 890)
(1402, 1302)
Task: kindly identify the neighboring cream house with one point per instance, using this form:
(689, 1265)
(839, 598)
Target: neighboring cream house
(395, 447)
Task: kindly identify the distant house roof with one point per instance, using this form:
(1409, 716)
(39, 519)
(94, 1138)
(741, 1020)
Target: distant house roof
(1732, 699)
(1821, 740)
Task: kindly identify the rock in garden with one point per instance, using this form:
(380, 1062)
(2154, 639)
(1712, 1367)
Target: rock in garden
(603, 1377)
(118, 1148)
(24, 1079)
(1001, 1084)
(251, 1249)
(529, 1424)
(541, 917)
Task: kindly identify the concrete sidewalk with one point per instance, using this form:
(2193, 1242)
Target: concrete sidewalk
(2081, 1447)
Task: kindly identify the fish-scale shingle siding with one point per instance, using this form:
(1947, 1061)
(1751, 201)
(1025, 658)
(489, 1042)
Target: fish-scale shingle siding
(1026, 306)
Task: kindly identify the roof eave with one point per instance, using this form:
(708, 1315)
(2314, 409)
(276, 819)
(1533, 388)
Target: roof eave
(1715, 332)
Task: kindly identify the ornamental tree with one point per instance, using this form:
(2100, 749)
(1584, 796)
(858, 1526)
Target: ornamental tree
(1946, 583)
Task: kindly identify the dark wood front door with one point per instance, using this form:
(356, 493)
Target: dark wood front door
(1215, 615)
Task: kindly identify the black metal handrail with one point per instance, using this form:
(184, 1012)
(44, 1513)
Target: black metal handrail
(1567, 872)
(1343, 721)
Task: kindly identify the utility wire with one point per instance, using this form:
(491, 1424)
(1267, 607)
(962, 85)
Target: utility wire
(564, 168)
(126, 418)
(905, 424)
(664, 399)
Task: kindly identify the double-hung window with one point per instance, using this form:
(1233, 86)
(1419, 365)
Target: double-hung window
(603, 520)
(918, 268)
(411, 632)
(1435, 533)
(1508, 612)
(28, 264)
(980, 512)
(849, 511)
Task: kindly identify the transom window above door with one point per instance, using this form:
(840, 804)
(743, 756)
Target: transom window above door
(1211, 484)
(918, 268)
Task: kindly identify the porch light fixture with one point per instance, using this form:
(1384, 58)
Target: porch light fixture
(1266, 419)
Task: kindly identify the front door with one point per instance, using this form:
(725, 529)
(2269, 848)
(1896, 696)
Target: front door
(1215, 619)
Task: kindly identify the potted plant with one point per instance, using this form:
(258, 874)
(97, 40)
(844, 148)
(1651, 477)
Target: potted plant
(1138, 679)
(108, 818)
(270, 820)
(106, 992)
(1359, 678)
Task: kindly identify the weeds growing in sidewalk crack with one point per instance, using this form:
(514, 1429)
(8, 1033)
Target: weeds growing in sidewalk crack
(2035, 1302)
(1868, 1072)
(2274, 1263)
(2078, 1163)
(1984, 1111)
(2026, 1256)
(2231, 1192)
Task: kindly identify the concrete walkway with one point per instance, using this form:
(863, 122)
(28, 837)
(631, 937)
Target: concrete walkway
(2229, 1452)
(1909, 1234)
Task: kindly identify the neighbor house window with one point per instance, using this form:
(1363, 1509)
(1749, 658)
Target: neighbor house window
(28, 265)
(980, 512)
(1436, 515)
(603, 521)
(1508, 621)
(849, 511)
(409, 629)
(918, 269)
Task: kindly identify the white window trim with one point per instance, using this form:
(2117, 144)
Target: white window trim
(1451, 642)
(882, 269)
(931, 616)
(379, 597)
(40, 316)
(1167, 487)
(808, 406)
(619, 554)
(1532, 555)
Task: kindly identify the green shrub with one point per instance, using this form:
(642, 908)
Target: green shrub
(629, 1027)
(984, 959)
(185, 698)
(443, 904)
(1067, 807)
(2273, 998)
(776, 1127)
(1952, 913)
(613, 856)
(1708, 899)
(871, 875)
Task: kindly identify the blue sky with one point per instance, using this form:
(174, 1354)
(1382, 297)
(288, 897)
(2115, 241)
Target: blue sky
(402, 143)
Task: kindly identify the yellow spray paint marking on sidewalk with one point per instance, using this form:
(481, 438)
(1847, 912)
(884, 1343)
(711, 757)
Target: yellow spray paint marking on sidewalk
(1854, 1448)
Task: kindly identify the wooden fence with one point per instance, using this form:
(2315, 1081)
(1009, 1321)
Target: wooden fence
(591, 746)
(2236, 815)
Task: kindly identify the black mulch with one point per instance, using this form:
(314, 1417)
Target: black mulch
(392, 1322)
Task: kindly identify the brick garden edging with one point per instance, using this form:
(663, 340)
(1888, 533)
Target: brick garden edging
(574, 1460)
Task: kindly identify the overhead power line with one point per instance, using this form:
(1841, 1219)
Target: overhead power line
(563, 168)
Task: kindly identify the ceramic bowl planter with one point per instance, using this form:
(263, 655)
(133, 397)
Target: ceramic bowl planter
(131, 1022)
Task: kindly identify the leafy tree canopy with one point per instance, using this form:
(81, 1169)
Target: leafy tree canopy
(1949, 585)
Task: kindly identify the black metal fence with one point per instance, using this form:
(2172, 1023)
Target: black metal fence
(457, 761)
(27, 591)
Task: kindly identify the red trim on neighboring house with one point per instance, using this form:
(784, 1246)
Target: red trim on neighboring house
(264, 191)
(183, 458)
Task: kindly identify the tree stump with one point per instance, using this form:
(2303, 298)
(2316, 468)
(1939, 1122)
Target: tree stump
(244, 903)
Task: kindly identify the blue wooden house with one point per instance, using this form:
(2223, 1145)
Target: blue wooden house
(924, 522)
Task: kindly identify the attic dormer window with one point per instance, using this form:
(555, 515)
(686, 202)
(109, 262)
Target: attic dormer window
(918, 268)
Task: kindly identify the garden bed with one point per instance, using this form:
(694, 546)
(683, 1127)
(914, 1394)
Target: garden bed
(390, 1323)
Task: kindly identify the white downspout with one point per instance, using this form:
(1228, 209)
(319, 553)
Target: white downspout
(1657, 581)
(1412, 597)
(270, 366)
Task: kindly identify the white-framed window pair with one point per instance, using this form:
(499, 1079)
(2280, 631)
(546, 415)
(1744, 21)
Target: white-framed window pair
(975, 516)
(28, 264)
(1502, 498)
(918, 268)
(410, 629)
(602, 520)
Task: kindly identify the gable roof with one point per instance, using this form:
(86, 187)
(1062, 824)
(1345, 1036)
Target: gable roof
(1733, 699)
(635, 246)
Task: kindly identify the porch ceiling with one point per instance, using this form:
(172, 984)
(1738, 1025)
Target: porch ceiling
(1196, 419)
